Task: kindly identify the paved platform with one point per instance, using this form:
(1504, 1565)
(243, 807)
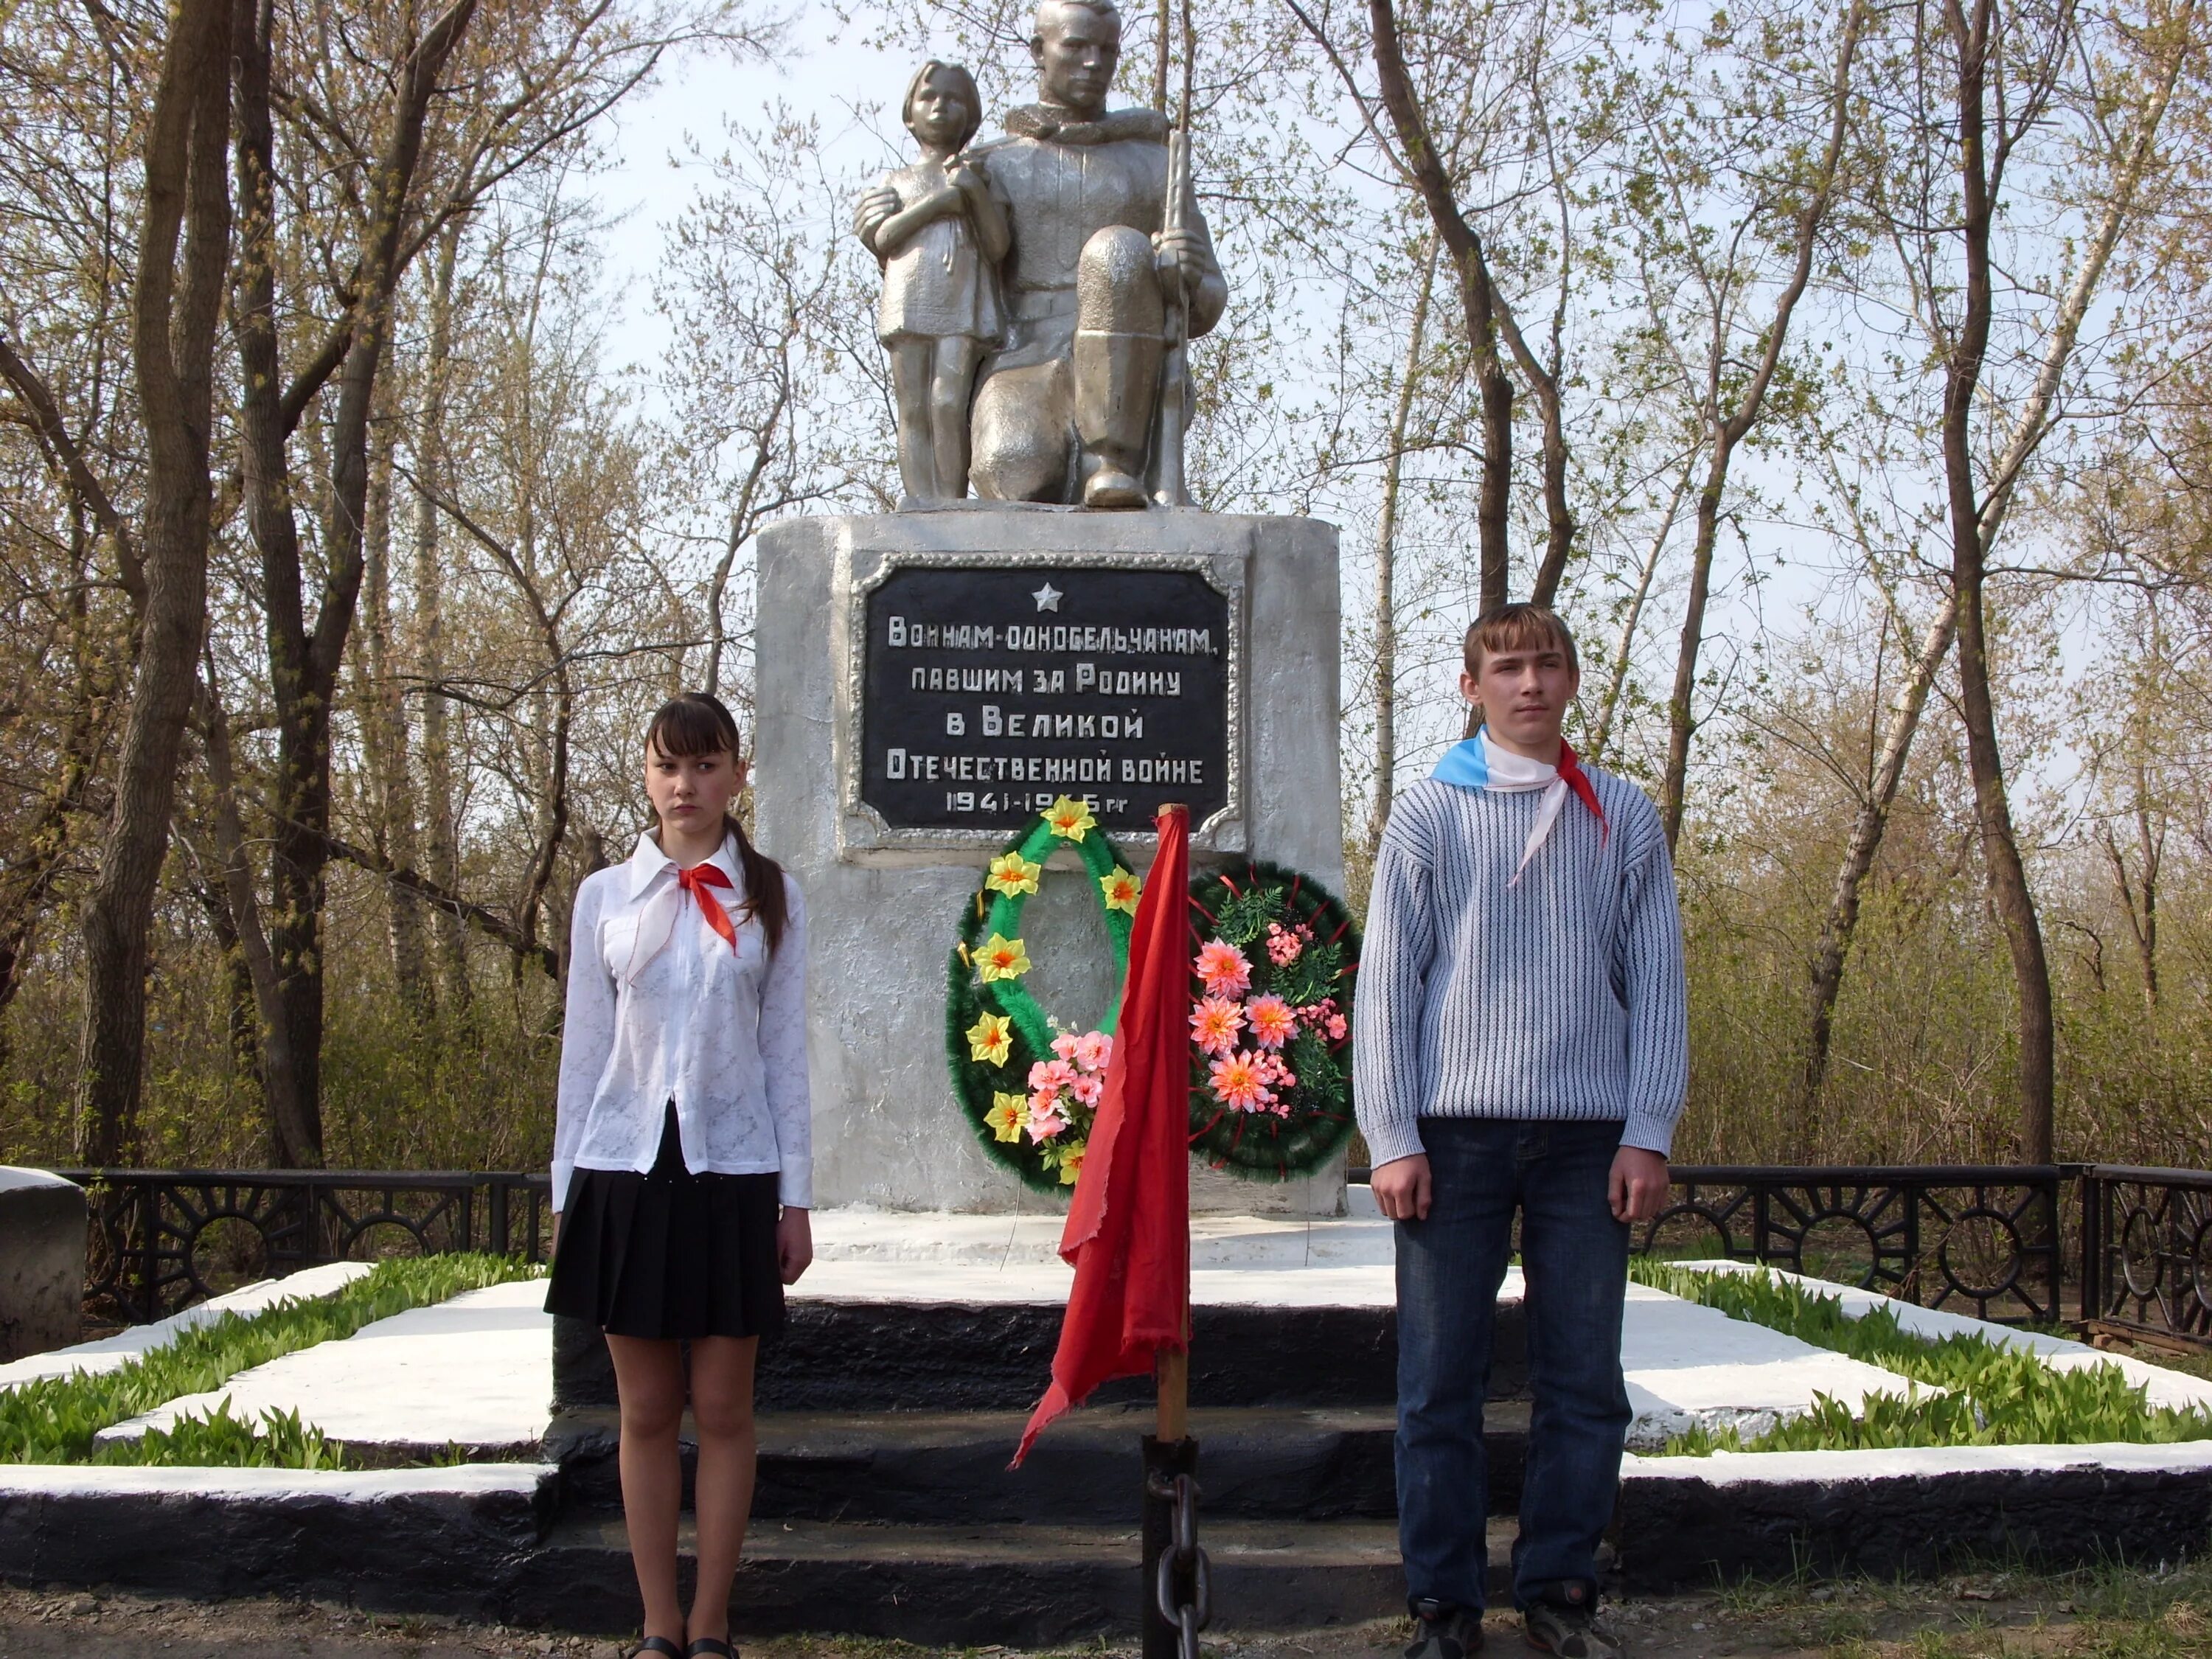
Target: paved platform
(473, 1372)
(111, 1352)
(2161, 1386)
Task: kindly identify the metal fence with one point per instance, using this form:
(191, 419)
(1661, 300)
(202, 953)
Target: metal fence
(1986, 1240)
(2001, 1242)
(162, 1239)
(2147, 1253)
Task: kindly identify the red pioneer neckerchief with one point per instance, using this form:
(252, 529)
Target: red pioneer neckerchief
(699, 877)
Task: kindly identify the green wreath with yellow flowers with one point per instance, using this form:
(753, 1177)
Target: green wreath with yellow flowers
(1030, 1085)
(1273, 955)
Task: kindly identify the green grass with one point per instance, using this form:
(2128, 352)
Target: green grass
(53, 1420)
(1993, 1396)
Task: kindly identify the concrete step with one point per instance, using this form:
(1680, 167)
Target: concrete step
(1024, 1585)
(873, 1355)
(922, 1467)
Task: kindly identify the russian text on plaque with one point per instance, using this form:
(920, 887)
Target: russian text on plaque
(990, 692)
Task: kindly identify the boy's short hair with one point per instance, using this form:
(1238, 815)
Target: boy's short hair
(1518, 628)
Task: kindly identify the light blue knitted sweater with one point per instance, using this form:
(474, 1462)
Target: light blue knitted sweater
(1562, 997)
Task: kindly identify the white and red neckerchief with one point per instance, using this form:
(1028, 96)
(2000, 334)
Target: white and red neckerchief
(656, 922)
(1480, 764)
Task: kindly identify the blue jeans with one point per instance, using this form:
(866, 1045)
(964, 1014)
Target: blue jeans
(1575, 1257)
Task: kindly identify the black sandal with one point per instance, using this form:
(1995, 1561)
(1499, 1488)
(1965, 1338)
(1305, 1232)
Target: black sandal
(713, 1647)
(656, 1644)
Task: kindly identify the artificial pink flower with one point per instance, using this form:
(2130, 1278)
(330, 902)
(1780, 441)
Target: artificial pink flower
(1093, 1049)
(1239, 1084)
(1274, 1022)
(1049, 1077)
(1283, 949)
(1045, 1120)
(1064, 1045)
(1215, 1024)
(1223, 968)
(1087, 1088)
(1336, 1028)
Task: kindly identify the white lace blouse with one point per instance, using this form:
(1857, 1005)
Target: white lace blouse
(660, 1008)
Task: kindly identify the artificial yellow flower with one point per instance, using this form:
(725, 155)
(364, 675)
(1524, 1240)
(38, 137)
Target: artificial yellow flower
(991, 1038)
(1012, 875)
(1070, 818)
(1007, 1114)
(1071, 1165)
(1123, 890)
(1001, 958)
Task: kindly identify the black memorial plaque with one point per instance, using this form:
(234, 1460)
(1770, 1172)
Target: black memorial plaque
(989, 692)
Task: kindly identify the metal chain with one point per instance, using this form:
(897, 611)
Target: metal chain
(1184, 1562)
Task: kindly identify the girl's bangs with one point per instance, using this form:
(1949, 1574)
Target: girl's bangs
(690, 726)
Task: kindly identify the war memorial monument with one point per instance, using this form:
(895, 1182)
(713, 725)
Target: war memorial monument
(932, 679)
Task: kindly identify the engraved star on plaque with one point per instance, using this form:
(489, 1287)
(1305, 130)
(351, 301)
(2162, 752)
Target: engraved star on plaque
(1047, 598)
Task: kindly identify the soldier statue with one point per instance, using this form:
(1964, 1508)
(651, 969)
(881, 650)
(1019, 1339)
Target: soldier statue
(1103, 270)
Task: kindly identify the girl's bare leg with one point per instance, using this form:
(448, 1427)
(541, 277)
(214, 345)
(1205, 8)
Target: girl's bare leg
(722, 1408)
(952, 391)
(912, 362)
(649, 1382)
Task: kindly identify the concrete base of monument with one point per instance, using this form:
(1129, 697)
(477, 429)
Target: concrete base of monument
(944, 644)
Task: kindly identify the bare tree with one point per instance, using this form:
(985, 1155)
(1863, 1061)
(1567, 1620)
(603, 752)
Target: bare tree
(1729, 402)
(177, 308)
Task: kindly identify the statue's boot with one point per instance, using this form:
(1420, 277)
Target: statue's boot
(1119, 318)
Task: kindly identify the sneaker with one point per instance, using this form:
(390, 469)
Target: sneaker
(1570, 1630)
(1444, 1632)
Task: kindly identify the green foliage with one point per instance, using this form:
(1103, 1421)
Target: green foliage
(278, 1441)
(1993, 1396)
(53, 1420)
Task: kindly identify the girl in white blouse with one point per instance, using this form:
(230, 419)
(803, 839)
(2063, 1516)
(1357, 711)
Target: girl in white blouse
(682, 1156)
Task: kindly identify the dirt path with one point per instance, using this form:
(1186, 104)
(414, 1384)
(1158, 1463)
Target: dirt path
(2103, 1614)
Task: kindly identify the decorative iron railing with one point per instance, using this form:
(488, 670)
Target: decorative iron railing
(162, 1239)
(1994, 1240)
(1990, 1240)
(1986, 1240)
(2147, 1253)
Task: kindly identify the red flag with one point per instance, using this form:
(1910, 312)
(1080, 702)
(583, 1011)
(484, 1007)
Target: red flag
(1128, 1228)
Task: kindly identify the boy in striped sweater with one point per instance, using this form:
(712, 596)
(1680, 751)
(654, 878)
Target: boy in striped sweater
(1520, 1045)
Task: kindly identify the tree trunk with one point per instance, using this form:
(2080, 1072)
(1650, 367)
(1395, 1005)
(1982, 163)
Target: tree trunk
(1617, 675)
(294, 1133)
(1385, 565)
(1867, 831)
(1478, 302)
(384, 733)
(1726, 432)
(2000, 859)
(175, 314)
(442, 847)
(304, 664)
(2029, 426)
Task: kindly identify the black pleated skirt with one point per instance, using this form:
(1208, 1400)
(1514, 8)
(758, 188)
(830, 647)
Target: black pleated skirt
(669, 1254)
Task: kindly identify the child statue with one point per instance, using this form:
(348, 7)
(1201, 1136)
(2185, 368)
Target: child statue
(939, 235)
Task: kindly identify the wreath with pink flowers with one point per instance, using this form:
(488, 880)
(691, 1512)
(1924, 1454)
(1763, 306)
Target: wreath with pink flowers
(1275, 955)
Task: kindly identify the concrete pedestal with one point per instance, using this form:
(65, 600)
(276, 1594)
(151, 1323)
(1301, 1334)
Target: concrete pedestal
(883, 901)
(42, 1234)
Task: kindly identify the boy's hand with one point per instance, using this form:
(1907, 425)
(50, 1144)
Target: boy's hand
(1637, 1186)
(1401, 1188)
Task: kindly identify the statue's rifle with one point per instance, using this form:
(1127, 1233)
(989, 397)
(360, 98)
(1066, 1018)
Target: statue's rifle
(1169, 487)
